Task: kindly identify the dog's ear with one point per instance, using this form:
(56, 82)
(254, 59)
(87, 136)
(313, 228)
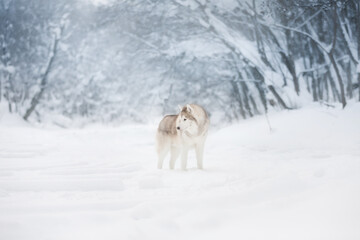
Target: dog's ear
(180, 108)
(189, 108)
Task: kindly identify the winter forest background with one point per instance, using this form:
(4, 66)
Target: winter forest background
(121, 61)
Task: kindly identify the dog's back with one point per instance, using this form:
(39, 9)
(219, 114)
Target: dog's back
(167, 126)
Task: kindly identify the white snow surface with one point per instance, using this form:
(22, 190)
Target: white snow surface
(299, 181)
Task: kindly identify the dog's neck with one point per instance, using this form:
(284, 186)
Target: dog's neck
(197, 134)
(187, 133)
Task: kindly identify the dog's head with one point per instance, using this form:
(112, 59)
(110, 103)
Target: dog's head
(186, 119)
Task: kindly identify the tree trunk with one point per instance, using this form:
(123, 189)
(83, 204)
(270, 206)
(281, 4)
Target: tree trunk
(332, 59)
(320, 87)
(278, 98)
(336, 95)
(305, 76)
(237, 96)
(326, 87)
(35, 100)
(289, 63)
(339, 78)
(358, 44)
(253, 103)
(349, 87)
(314, 91)
(245, 92)
(260, 86)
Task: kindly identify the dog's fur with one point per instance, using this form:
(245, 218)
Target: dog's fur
(178, 133)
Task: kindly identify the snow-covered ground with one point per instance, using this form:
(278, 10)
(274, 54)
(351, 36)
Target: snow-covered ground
(300, 181)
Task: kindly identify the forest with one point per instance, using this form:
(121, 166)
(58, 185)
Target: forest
(107, 60)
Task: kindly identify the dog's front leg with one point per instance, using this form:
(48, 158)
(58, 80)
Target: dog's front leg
(184, 156)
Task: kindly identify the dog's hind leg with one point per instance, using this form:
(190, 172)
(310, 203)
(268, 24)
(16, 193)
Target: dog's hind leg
(162, 152)
(175, 152)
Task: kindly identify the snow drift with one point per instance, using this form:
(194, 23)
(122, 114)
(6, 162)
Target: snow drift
(299, 181)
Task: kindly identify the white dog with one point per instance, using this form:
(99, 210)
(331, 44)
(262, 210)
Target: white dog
(179, 133)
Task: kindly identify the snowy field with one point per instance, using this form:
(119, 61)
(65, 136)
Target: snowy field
(300, 181)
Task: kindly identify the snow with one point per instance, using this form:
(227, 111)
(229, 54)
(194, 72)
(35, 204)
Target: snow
(299, 181)
(196, 48)
(9, 120)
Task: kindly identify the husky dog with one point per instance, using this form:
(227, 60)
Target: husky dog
(179, 133)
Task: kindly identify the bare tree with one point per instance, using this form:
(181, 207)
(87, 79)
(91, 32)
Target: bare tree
(44, 78)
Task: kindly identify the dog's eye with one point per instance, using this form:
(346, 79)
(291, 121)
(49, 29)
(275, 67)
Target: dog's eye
(184, 119)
